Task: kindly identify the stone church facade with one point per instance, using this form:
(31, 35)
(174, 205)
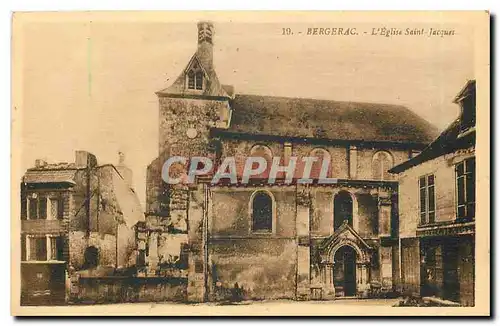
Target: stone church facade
(281, 240)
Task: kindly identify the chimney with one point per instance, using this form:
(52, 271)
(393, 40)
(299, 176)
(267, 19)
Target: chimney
(39, 163)
(84, 159)
(205, 44)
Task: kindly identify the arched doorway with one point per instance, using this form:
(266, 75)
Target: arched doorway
(342, 204)
(344, 271)
(91, 258)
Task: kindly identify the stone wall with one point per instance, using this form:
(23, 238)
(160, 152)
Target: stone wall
(93, 290)
(105, 223)
(341, 157)
(231, 215)
(235, 255)
(79, 242)
(466, 272)
(262, 268)
(263, 265)
(177, 115)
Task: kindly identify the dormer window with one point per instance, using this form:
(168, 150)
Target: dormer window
(198, 77)
(191, 82)
(468, 113)
(195, 78)
(467, 101)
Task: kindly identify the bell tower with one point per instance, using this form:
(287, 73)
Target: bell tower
(193, 104)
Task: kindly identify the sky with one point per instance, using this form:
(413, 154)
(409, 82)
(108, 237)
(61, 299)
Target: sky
(91, 85)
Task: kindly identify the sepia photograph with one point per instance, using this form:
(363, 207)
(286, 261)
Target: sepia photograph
(258, 163)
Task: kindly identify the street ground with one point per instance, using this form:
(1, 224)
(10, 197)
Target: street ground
(291, 303)
(352, 307)
(339, 307)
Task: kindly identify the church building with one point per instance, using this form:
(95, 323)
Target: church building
(284, 240)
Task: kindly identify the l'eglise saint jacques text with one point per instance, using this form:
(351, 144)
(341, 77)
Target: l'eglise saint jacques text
(374, 31)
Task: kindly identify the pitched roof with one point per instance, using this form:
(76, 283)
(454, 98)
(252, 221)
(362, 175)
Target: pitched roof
(468, 89)
(312, 118)
(127, 201)
(50, 176)
(213, 88)
(449, 141)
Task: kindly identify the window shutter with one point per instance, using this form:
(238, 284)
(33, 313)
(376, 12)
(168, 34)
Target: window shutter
(42, 207)
(423, 203)
(33, 247)
(60, 249)
(33, 209)
(23, 247)
(24, 202)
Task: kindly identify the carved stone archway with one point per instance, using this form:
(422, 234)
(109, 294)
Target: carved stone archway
(344, 236)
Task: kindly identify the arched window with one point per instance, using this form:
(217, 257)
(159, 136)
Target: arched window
(262, 208)
(323, 156)
(267, 154)
(199, 80)
(381, 164)
(342, 206)
(195, 77)
(191, 82)
(91, 257)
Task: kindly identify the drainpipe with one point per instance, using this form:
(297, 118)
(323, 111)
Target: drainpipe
(87, 201)
(205, 240)
(400, 261)
(116, 245)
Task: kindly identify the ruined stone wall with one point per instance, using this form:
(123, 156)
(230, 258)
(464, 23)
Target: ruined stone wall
(105, 243)
(156, 189)
(126, 246)
(106, 220)
(166, 242)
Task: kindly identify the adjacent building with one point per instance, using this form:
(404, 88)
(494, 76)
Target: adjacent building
(77, 222)
(286, 240)
(437, 198)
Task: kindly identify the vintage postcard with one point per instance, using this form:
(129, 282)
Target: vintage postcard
(250, 163)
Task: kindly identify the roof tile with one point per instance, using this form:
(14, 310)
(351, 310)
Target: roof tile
(312, 118)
